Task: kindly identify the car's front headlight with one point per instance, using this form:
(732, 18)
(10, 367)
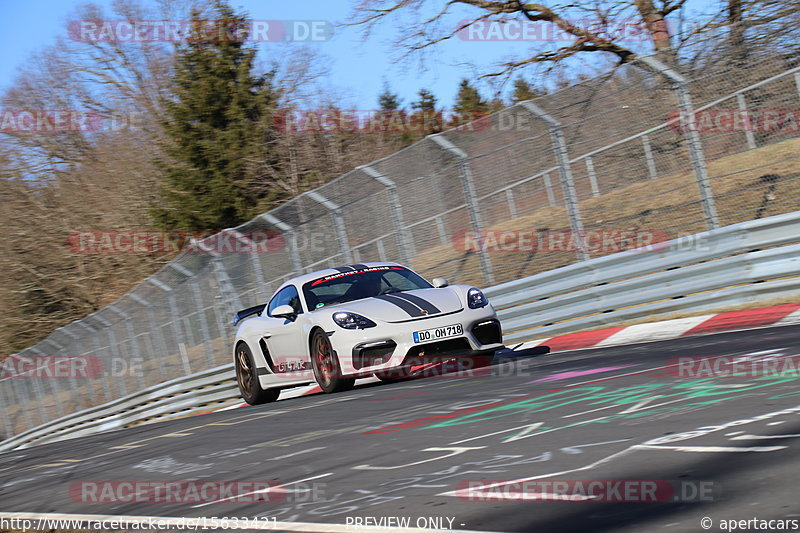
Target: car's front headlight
(476, 299)
(352, 321)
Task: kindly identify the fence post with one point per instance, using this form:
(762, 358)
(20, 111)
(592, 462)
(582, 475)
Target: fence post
(176, 328)
(748, 131)
(96, 341)
(8, 399)
(22, 402)
(294, 252)
(405, 241)
(565, 171)
(338, 223)
(230, 297)
(548, 184)
(648, 156)
(471, 197)
(692, 136)
(512, 205)
(74, 337)
(137, 353)
(592, 176)
(201, 312)
(258, 270)
(113, 346)
(38, 390)
(155, 329)
(797, 82)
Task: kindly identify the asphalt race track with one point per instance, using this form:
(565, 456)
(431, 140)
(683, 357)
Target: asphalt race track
(724, 447)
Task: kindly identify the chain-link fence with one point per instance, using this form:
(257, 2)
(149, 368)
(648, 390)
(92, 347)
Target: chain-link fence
(636, 156)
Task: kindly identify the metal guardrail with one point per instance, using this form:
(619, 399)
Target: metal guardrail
(175, 398)
(738, 264)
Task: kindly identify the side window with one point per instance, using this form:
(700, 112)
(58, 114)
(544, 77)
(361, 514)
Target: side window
(287, 296)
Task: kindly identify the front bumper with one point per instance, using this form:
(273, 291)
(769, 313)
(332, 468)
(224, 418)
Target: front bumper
(391, 345)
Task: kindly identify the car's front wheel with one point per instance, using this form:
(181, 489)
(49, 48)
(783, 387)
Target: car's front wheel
(247, 378)
(325, 363)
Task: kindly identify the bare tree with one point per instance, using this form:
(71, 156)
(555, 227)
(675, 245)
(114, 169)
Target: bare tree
(592, 24)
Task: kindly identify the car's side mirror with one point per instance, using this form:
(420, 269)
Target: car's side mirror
(440, 282)
(284, 311)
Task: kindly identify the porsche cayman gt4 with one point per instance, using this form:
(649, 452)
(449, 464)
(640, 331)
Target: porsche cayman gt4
(339, 324)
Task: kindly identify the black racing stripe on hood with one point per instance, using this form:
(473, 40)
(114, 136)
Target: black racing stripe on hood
(405, 305)
(344, 269)
(419, 302)
(357, 266)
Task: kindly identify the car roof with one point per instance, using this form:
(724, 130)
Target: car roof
(305, 278)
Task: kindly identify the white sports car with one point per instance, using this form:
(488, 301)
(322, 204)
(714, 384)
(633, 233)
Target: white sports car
(339, 324)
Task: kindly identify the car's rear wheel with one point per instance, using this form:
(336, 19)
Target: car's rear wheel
(247, 378)
(325, 363)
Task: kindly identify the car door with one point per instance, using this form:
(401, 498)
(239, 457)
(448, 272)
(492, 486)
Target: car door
(285, 339)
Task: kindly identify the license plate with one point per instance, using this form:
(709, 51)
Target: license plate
(434, 334)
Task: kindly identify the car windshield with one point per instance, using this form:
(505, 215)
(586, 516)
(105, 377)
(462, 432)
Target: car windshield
(358, 284)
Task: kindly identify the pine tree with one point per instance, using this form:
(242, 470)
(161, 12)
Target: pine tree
(215, 125)
(393, 119)
(427, 119)
(387, 100)
(524, 91)
(469, 104)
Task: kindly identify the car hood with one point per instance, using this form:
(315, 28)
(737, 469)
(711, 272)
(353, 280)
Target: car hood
(405, 306)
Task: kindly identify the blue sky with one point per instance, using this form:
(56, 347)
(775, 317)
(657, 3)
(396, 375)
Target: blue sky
(357, 68)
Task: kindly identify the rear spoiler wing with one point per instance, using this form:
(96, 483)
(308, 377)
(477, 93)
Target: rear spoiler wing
(250, 311)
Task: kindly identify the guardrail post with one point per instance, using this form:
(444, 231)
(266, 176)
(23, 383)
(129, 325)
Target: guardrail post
(648, 157)
(404, 239)
(294, 251)
(748, 131)
(692, 136)
(567, 181)
(338, 223)
(471, 197)
(137, 353)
